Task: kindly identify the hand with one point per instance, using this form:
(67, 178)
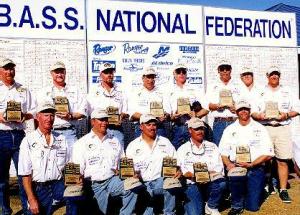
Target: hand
(245, 165)
(178, 173)
(2, 118)
(282, 116)
(116, 171)
(189, 175)
(261, 116)
(64, 115)
(232, 108)
(137, 174)
(176, 115)
(33, 206)
(161, 118)
(220, 107)
(230, 166)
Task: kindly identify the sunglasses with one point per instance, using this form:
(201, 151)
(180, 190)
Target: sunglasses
(180, 71)
(198, 129)
(150, 76)
(246, 73)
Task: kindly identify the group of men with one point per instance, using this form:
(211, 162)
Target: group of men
(250, 127)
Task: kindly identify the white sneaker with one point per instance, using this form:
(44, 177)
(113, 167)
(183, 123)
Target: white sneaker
(211, 211)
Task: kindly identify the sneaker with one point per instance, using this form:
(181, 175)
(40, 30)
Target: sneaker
(272, 190)
(235, 211)
(211, 211)
(284, 196)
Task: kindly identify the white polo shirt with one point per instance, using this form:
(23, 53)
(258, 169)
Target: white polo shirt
(254, 135)
(44, 162)
(97, 158)
(77, 102)
(208, 153)
(101, 98)
(140, 101)
(149, 160)
(282, 95)
(17, 93)
(213, 96)
(253, 94)
(186, 92)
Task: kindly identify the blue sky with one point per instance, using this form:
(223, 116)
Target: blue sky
(237, 4)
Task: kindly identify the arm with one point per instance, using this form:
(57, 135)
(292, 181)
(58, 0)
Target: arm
(228, 164)
(257, 161)
(32, 200)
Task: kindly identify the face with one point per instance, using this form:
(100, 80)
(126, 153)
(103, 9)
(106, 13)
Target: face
(149, 129)
(59, 76)
(100, 125)
(225, 75)
(7, 74)
(197, 134)
(149, 81)
(273, 80)
(180, 75)
(243, 114)
(247, 79)
(45, 120)
(107, 76)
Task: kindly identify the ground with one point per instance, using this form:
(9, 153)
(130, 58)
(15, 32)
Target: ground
(272, 205)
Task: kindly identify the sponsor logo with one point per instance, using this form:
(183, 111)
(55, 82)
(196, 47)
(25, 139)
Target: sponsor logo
(96, 64)
(162, 63)
(136, 49)
(99, 49)
(162, 51)
(133, 67)
(97, 79)
(189, 49)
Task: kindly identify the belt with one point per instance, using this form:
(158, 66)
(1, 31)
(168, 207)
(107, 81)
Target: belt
(46, 183)
(64, 128)
(275, 125)
(99, 182)
(225, 119)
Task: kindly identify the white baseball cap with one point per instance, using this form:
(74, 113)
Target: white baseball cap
(273, 69)
(106, 65)
(242, 104)
(57, 65)
(146, 118)
(180, 66)
(45, 105)
(6, 61)
(195, 122)
(246, 70)
(149, 71)
(99, 114)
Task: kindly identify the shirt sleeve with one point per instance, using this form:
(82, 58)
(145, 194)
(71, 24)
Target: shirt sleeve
(25, 163)
(78, 155)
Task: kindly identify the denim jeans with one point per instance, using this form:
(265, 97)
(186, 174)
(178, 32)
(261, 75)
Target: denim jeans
(180, 135)
(218, 128)
(247, 191)
(114, 187)
(50, 195)
(9, 149)
(195, 196)
(155, 188)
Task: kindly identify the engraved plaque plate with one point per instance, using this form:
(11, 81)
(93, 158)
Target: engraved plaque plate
(226, 98)
(272, 111)
(201, 172)
(126, 168)
(72, 174)
(169, 167)
(243, 154)
(156, 109)
(13, 111)
(183, 105)
(61, 104)
(114, 116)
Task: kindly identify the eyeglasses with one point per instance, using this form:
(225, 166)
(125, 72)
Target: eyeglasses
(180, 71)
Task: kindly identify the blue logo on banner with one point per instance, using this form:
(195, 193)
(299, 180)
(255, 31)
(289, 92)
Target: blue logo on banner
(96, 64)
(189, 49)
(133, 67)
(162, 51)
(136, 49)
(96, 79)
(99, 49)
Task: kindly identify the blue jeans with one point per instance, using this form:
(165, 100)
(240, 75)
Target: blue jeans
(160, 131)
(114, 187)
(247, 191)
(195, 196)
(180, 135)
(9, 149)
(70, 135)
(49, 195)
(155, 188)
(218, 128)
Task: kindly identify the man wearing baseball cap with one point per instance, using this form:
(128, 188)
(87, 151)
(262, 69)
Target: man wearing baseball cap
(12, 94)
(245, 147)
(147, 152)
(98, 153)
(275, 111)
(66, 96)
(196, 105)
(109, 96)
(140, 103)
(43, 155)
(198, 150)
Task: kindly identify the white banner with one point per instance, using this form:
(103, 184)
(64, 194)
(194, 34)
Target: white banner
(254, 28)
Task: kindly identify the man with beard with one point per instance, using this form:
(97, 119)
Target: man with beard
(11, 130)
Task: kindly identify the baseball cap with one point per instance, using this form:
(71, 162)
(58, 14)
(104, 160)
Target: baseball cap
(44, 105)
(149, 71)
(146, 118)
(242, 104)
(6, 61)
(57, 65)
(224, 64)
(195, 122)
(132, 183)
(273, 70)
(99, 114)
(180, 66)
(105, 66)
(170, 183)
(246, 70)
